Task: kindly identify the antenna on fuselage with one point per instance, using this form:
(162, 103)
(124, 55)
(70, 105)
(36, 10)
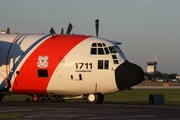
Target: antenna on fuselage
(52, 32)
(97, 26)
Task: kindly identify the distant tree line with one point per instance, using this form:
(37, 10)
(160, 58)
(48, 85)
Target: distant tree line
(158, 75)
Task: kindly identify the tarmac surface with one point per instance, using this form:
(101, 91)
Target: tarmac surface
(80, 111)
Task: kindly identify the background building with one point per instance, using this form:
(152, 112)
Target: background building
(151, 65)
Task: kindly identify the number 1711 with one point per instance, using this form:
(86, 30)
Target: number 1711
(82, 65)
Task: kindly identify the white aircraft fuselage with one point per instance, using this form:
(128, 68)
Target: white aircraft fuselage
(64, 65)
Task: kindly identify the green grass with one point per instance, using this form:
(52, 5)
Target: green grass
(15, 97)
(9, 115)
(171, 97)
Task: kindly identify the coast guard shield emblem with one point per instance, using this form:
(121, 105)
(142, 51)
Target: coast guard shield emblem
(42, 61)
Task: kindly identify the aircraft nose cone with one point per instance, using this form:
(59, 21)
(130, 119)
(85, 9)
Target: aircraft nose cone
(127, 75)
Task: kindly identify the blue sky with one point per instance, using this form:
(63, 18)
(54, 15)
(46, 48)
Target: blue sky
(145, 27)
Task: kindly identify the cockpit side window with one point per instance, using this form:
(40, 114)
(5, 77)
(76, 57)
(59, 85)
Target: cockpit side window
(103, 64)
(100, 64)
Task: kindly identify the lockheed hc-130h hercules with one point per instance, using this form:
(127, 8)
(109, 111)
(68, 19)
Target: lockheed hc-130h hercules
(64, 66)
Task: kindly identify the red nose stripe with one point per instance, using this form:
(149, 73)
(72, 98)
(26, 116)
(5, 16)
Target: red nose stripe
(28, 82)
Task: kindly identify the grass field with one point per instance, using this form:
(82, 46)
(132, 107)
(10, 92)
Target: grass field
(9, 115)
(171, 97)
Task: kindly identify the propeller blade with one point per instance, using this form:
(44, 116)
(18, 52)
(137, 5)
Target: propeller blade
(62, 30)
(69, 28)
(8, 30)
(52, 31)
(97, 26)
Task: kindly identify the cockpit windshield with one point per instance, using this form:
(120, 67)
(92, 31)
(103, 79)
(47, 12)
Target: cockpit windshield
(112, 49)
(102, 49)
(118, 49)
